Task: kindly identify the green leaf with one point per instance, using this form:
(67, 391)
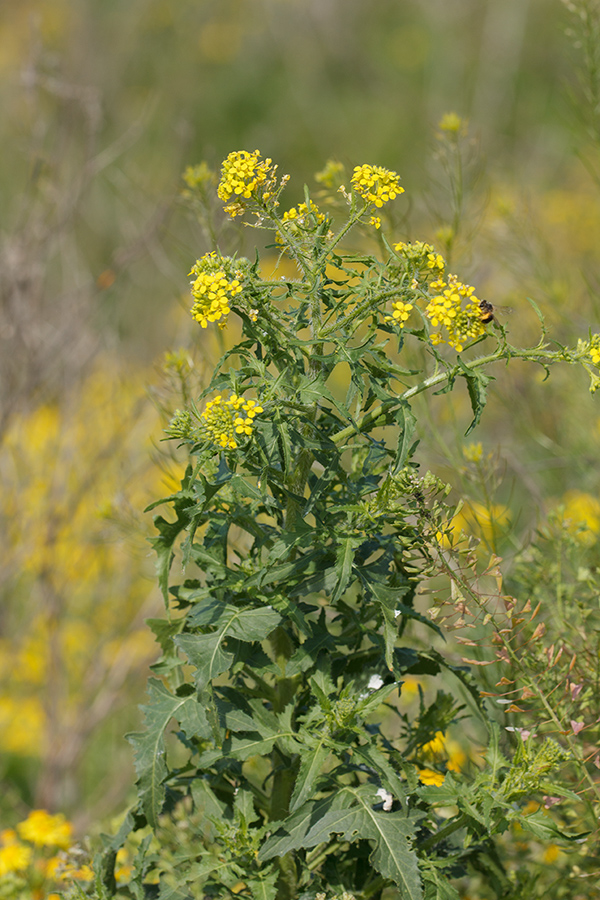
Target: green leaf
(392, 855)
(239, 748)
(407, 421)
(165, 631)
(163, 546)
(207, 652)
(437, 886)
(149, 746)
(343, 565)
(477, 383)
(263, 886)
(208, 805)
(312, 757)
(291, 833)
(543, 827)
(390, 832)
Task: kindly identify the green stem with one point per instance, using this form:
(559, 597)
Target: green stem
(443, 833)
(370, 417)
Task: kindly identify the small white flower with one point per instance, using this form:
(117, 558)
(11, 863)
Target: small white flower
(375, 682)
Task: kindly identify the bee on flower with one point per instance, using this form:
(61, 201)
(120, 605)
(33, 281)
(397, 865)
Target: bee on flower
(445, 309)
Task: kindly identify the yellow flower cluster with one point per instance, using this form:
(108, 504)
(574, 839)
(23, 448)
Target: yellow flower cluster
(29, 854)
(594, 350)
(242, 173)
(446, 309)
(301, 218)
(213, 289)
(376, 185)
(300, 214)
(44, 830)
(198, 176)
(581, 516)
(223, 419)
(332, 175)
(421, 256)
(401, 311)
(451, 123)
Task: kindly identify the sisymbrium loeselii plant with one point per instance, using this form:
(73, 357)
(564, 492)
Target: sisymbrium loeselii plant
(304, 535)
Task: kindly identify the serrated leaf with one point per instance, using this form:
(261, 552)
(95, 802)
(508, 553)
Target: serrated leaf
(172, 892)
(437, 886)
(312, 757)
(477, 383)
(392, 855)
(207, 652)
(264, 886)
(343, 565)
(163, 547)
(544, 828)
(149, 746)
(165, 631)
(407, 421)
(291, 833)
(209, 807)
(238, 748)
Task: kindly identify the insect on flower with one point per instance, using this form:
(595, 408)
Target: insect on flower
(487, 311)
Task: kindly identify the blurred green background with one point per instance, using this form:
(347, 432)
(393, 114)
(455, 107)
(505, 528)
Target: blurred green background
(104, 104)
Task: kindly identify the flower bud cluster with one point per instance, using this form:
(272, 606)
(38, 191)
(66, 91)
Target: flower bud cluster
(421, 256)
(594, 349)
(223, 420)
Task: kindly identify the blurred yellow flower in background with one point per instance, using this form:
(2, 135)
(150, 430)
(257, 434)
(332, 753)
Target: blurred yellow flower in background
(44, 830)
(581, 515)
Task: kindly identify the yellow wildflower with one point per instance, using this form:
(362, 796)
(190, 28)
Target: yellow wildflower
(473, 452)
(44, 830)
(551, 854)
(430, 777)
(375, 184)
(580, 509)
(451, 123)
(242, 175)
(198, 176)
(8, 836)
(421, 256)
(14, 858)
(463, 323)
(594, 349)
(123, 868)
(301, 218)
(435, 746)
(332, 175)
(401, 312)
(214, 288)
(224, 419)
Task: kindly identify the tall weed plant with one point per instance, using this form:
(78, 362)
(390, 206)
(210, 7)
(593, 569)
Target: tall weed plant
(310, 569)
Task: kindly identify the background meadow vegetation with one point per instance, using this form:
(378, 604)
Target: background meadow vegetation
(104, 105)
